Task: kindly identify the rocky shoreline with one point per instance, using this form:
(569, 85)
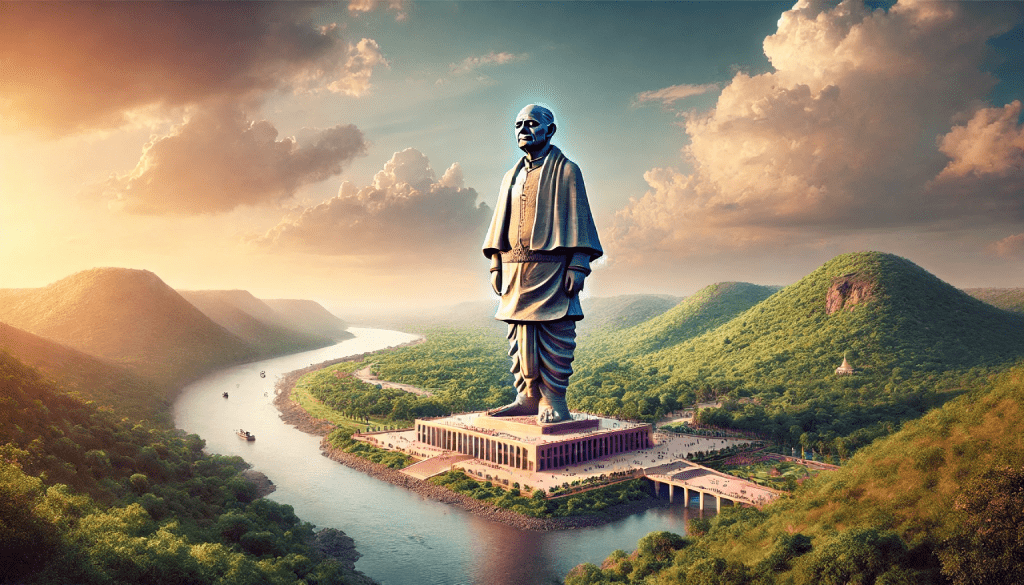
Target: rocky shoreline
(296, 416)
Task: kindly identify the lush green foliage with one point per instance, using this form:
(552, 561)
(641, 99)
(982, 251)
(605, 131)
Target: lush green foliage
(939, 499)
(88, 498)
(465, 369)
(591, 502)
(1010, 299)
(342, 439)
(915, 340)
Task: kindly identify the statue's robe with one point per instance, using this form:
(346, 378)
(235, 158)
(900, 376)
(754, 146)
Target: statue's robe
(535, 256)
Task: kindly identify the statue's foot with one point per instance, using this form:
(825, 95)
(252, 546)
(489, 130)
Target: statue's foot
(553, 409)
(523, 405)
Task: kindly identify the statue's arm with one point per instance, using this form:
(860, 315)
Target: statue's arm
(496, 273)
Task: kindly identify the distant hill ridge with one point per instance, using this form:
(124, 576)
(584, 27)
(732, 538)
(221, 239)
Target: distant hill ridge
(706, 309)
(270, 331)
(130, 317)
(1010, 299)
(122, 336)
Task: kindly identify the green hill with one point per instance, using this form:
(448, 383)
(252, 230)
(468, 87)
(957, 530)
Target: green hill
(86, 377)
(254, 321)
(940, 501)
(89, 498)
(621, 312)
(913, 338)
(1010, 299)
(129, 317)
(708, 308)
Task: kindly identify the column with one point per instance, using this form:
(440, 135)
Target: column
(701, 496)
(686, 496)
(671, 492)
(718, 503)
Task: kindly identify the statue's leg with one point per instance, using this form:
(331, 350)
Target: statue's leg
(556, 345)
(522, 348)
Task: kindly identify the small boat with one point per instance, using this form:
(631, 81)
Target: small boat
(225, 395)
(246, 435)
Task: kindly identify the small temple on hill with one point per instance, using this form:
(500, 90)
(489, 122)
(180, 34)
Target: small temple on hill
(845, 369)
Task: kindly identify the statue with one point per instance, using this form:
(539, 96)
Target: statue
(541, 242)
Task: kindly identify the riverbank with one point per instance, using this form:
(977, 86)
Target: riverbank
(293, 414)
(482, 509)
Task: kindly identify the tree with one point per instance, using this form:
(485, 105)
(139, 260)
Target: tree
(988, 545)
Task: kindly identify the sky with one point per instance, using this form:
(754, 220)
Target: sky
(351, 153)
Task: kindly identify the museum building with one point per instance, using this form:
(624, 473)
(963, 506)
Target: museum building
(521, 443)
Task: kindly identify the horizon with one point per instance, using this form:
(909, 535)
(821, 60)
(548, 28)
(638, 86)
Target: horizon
(351, 153)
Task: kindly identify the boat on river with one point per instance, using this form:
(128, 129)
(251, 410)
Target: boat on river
(246, 435)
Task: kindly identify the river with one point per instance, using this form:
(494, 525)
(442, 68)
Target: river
(404, 538)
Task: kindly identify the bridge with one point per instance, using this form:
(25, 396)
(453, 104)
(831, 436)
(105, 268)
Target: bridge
(708, 483)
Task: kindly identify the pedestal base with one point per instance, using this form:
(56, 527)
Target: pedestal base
(528, 425)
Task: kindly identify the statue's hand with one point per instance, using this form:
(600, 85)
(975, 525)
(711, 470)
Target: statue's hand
(496, 281)
(573, 282)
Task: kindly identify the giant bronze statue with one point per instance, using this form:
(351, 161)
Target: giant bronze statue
(541, 242)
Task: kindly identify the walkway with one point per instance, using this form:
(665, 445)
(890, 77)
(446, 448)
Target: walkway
(366, 375)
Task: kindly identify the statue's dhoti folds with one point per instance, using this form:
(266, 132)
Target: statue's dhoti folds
(542, 354)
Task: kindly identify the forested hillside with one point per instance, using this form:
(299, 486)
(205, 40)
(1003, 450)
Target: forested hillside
(915, 341)
(87, 377)
(708, 308)
(1010, 299)
(620, 312)
(86, 497)
(940, 501)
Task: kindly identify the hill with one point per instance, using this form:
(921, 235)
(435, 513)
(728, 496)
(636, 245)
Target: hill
(708, 308)
(129, 317)
(915, 340)
(86, 497)
(1010, 299)
(621, 312)
(309, 316)
(939, 501)
(84, 376)
(255, 321)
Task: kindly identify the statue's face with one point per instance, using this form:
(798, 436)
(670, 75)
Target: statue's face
(533, 130)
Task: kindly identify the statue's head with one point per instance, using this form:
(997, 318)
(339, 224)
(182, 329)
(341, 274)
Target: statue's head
(535, 125)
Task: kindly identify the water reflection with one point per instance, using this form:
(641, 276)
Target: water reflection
(404, 538)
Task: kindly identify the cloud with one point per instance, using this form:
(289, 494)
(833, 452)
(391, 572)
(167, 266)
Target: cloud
(991, 143)
(840, 137)
(399, 7)
(1009, 247)
(218, 159)
(669, 95)
(405, 212)
(489, 60)
(73, 66)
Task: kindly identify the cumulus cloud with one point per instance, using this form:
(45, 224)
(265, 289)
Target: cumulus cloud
(489, 60)
(71, 66)
(399, 7)
(670, 95)
(405, 210)
(840, 136)
(991, 143)
(218, 159)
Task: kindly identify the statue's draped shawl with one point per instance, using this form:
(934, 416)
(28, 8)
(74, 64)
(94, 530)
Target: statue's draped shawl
(563, 222)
